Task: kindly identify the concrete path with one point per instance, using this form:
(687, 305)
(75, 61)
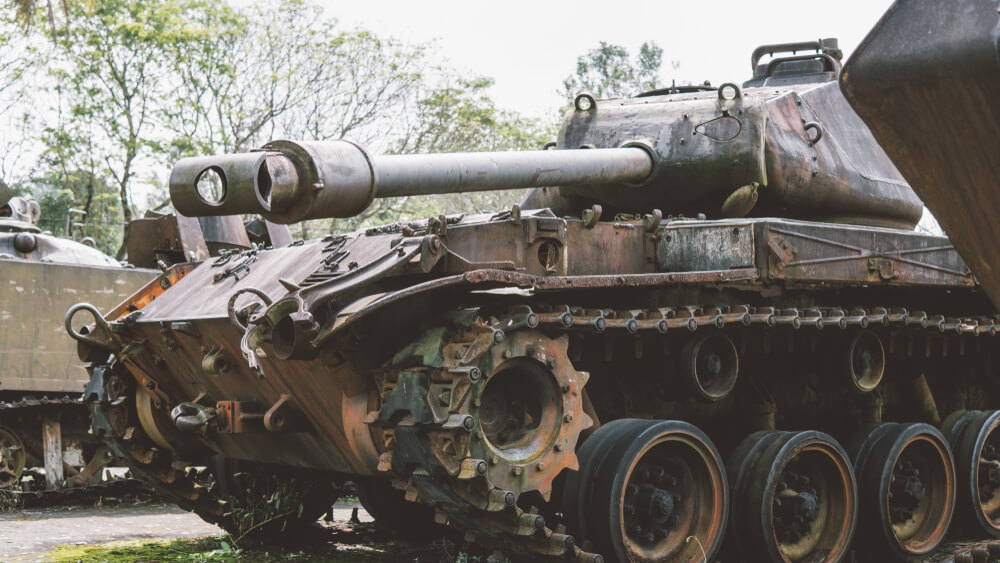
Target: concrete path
(28, 535)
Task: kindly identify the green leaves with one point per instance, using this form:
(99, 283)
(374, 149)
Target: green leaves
(608, 71)
(137, 84)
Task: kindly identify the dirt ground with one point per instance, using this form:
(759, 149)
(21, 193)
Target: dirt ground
(32, 535)
(28, 535)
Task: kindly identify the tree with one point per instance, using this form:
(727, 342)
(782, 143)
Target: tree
(112, 77)
(608, 72)
(456, 115)
(25, 13)
(286, 75)
(137, 84)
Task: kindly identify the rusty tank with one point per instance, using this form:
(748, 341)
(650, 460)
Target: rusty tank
(43, 422)
(708, 331)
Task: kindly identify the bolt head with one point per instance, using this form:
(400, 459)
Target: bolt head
(568, 418)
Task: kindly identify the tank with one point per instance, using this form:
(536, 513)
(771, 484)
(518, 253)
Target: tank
(43, 423)
(709, 330)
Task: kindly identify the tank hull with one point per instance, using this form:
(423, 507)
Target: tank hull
(36, 354)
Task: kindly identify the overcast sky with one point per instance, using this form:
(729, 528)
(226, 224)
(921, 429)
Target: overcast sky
(529, 47)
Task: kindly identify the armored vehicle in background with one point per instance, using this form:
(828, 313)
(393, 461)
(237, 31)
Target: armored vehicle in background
(42, 419)
(709, 328)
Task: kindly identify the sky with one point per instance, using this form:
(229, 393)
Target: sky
(529, 47)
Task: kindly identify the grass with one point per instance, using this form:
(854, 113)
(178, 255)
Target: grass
(211, 549)
(9, 501)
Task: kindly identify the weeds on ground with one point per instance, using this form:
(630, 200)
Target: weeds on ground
(10, 501)
(213, 549)
(267, 504)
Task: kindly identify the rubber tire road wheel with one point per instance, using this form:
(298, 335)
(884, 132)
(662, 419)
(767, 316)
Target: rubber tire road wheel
(877, 451)
(577, 490)
(756, 470)
(694, 479)
(970, 433)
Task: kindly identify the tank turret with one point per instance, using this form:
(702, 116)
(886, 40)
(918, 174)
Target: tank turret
(787, 142)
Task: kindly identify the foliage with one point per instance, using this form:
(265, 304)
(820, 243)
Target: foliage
(59, 191)
(137, 84)
(111, 74)
(608, 72)
(26, 13)
(210, 549)
(285, 75)
(455, 115)
(10, 501)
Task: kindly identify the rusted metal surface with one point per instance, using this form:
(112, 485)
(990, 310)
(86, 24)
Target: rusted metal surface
(925, 80)
(811, 155)
(349, 178)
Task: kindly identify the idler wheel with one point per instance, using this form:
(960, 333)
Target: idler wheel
(644, 488)
(12, 457)
(906, 488)
(864, 356)
(710, 365)
(975, 441)
(794, 497)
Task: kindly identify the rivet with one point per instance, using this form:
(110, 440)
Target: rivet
(565, 388)
(494, 460)
(568, 418)
(506, 354)
(559, 447)
(540, 466)
(477, 403)
(516, 471)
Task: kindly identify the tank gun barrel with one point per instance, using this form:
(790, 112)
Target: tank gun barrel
(290, 181)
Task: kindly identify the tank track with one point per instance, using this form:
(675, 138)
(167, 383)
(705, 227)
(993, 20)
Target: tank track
(87, 494)
(34, 407)
(431, 426)
(455, 475)
(29, 401)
